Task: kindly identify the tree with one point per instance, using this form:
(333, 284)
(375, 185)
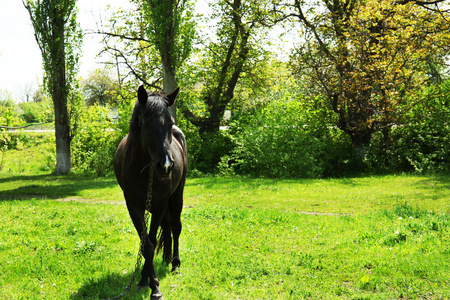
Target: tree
(59, 38)
(236, 51)
(6, 98)
(364, 57)
(26, 92)
(155, 40)
(99, 88)
(172, 33)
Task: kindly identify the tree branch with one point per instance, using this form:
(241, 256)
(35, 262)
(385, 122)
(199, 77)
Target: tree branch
(195, 120)
(122, 36)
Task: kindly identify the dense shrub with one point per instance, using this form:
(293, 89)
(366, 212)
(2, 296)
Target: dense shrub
(193, 141)
(9, 116)
(289, 139)
(285, 137)
(205, 152)
(37, 112)
(95, 141)
(421, 143)
(424, 140)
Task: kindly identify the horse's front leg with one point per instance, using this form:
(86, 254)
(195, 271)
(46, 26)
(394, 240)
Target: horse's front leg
(148, 274)
(157, 215)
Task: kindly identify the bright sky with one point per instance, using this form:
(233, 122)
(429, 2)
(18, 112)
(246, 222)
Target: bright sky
(20, 57)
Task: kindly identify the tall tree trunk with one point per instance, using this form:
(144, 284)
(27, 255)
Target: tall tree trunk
(169, 85)
(59, 95)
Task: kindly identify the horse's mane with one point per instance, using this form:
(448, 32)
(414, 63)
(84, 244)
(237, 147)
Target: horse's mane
(155, 105)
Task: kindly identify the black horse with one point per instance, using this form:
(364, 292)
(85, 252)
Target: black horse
(154, 147)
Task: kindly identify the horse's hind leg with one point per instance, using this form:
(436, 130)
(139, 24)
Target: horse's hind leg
(176, 229)
(176, 208)
(166, 236)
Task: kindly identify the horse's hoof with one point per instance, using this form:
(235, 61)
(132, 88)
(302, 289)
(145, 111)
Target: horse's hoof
(156, 295)
(175, 264)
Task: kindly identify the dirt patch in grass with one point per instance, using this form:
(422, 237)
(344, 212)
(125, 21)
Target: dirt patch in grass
(312, 213)
(90, 201)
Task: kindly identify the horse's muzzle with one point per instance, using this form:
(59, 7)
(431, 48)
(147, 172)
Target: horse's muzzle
(166, 166)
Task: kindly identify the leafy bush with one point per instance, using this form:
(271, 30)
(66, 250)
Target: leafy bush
(420, 144)
(213, 147)
(425, 138)
(9, 116)
(289, 138)
(95, 141)
(37, 112)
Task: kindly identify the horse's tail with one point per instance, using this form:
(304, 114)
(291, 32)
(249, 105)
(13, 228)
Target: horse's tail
(164, 240)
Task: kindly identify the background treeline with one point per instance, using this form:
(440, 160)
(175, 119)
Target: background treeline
(283, 135)
(362, 88)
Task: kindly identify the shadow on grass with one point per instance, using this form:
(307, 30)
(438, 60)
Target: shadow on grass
(435, 181)
(112, 285)
(50, 186)
(240, 182)
(109, 286)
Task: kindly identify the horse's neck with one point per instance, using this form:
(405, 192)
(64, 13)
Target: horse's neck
(137, 154)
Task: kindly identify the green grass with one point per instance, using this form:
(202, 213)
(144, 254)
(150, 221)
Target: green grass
(385, 237)
(336, 196)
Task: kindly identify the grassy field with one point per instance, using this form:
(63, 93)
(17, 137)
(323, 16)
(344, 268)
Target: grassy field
(385, 237)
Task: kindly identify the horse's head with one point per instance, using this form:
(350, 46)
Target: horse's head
(155, 124)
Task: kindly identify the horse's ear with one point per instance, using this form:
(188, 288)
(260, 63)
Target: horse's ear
(172, 96)
(142, 95)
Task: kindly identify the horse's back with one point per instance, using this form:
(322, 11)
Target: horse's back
(181, 146)
(119, 158)
(179, 136)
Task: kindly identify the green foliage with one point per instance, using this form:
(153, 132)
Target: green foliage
(6, 98)
(153, 41)
(234, 56)
(127, 44)
(25, 152)
(59, 38)
(126, 101)
(9, 116)
(56, 29)
(95, 141)
(289, 138)
(37, 112)
(214, 147)
(364, 56)
(18, 140)
(171, 29)
(75, 107)
(424, 139)
(421, 143)
(99, 88)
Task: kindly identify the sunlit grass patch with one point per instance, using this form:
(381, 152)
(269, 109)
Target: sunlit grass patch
(335, 196)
